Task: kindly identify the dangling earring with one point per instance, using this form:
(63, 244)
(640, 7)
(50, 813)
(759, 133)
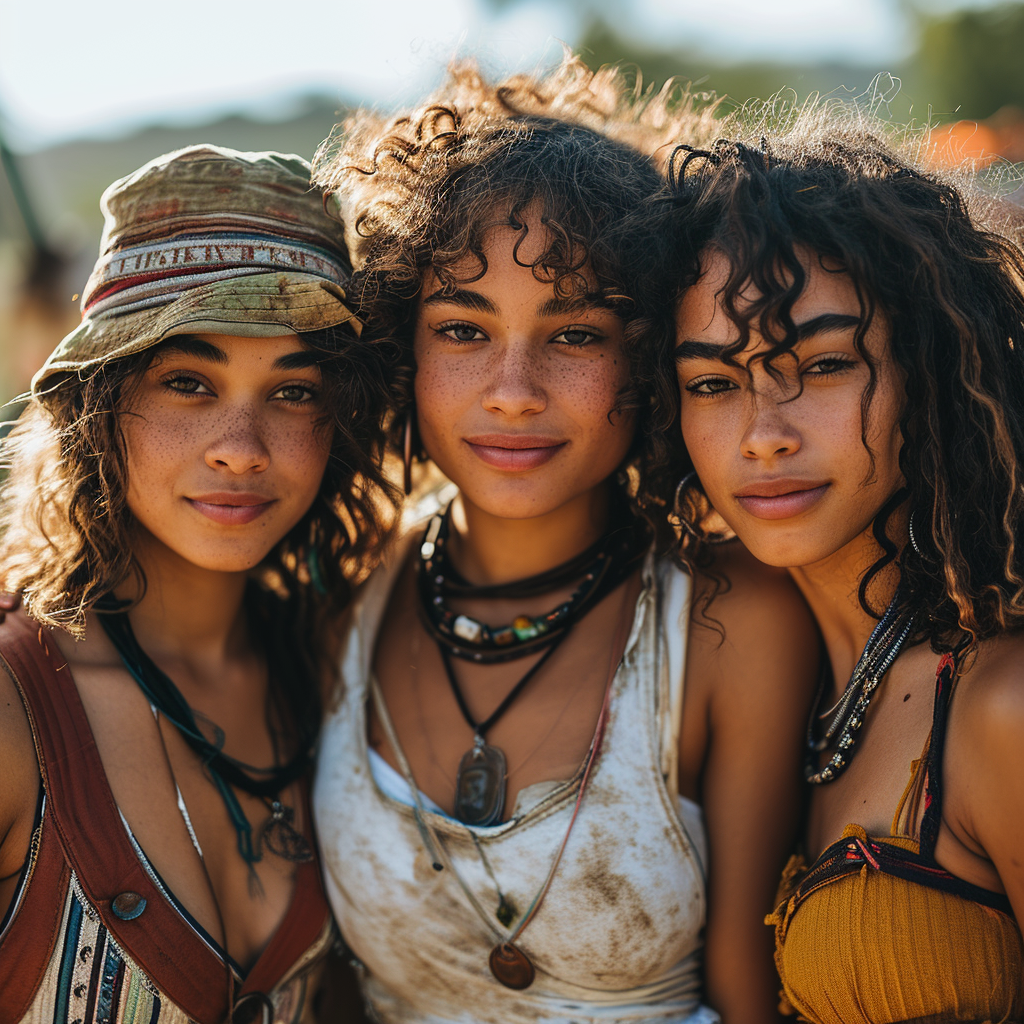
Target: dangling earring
(685, 523)
(910, 530)
(407, 453)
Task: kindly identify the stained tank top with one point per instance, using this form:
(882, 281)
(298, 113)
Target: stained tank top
(92, 935)
(619, 935)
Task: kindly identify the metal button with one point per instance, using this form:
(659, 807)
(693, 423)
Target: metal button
(128, 905)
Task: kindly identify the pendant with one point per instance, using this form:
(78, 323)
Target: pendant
(480, 785)
(511, 966)
(282, 838)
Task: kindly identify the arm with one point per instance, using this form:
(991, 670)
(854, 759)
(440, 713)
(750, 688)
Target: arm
(19, 789)
(755, 687)
(984, 768)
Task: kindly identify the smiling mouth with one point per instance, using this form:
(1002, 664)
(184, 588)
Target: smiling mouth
(231, 509)
(789, 499)
(514, 453)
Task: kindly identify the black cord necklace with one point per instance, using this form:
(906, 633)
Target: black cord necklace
(482, 777)
(278, 834)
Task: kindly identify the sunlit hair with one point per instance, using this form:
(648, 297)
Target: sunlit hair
(68, 531)
(419, 192)
(942, 264)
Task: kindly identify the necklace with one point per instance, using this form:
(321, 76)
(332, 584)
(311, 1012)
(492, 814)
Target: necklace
(597, 571)
(278, 834)
(847, 714)
(482, 778)
(508, 961)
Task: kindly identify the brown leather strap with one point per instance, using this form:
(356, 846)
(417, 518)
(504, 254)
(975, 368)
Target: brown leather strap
(33, 933)
(83, 830)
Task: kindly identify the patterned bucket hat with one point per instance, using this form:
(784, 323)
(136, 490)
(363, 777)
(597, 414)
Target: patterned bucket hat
(207, 240)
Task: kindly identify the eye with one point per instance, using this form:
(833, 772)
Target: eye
(185, 384)
(296, 394)
(576, 337)
(829, 366)
(707, 387)
(460, 332)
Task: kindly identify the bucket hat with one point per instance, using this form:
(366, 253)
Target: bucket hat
(207, 240)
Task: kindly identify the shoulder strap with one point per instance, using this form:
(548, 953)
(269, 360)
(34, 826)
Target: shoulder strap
(34, 930)
(945, 682)
(91, 835)
(674, 610)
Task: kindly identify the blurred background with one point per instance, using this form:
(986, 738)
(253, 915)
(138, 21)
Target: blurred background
(88, 92)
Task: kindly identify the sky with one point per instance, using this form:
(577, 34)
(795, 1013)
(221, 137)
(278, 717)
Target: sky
(71, 69)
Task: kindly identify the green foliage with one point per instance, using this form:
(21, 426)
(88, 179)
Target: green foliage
(971, 62)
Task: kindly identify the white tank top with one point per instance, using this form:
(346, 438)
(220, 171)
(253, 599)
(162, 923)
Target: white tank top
(618, 937)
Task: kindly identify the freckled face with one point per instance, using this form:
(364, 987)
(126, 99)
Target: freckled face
(514, 386)
(224, 453)
(784, 463)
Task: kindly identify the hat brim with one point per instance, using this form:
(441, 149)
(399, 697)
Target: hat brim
(259, 305)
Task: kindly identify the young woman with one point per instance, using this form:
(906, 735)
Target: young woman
(513, 785)
(194, 469)
(850, 357)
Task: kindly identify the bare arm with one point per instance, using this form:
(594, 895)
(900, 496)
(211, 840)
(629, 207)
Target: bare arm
(984, 766)
(756, 687)
(19, 788)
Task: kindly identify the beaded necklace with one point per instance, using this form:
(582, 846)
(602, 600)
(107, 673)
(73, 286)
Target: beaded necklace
(847, 714)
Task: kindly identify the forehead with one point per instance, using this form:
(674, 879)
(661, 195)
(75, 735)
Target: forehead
(827, 289)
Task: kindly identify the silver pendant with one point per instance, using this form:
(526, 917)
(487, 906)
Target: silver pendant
(480, 785)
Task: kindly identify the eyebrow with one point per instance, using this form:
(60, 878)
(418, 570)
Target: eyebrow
(826, 323)
(462, 297)
(197, 348)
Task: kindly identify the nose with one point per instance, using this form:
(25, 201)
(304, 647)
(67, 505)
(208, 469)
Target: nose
(238, 445)
(771, 432)
(514, 388)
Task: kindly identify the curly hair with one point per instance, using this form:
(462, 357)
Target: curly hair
(942, 263)
(419, 193)
(67, 528)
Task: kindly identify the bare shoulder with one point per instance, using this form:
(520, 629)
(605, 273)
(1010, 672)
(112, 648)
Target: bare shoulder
(756, 614)
(990, 695)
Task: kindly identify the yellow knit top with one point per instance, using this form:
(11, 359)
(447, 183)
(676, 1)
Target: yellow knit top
(876, 932)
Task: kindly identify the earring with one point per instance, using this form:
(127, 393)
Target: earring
(407, 453)
(910, 530)
(677, 510)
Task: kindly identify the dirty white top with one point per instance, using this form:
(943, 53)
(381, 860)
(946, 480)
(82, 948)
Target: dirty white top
(618, 937)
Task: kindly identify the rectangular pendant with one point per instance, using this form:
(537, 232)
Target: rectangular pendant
(480, 785)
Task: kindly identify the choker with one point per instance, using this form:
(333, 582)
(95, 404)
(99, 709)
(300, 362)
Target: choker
(846, 716)
(597, 571)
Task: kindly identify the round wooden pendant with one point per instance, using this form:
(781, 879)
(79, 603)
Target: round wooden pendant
(511, 966)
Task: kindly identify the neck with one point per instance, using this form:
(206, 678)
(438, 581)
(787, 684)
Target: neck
(831, 588)
(490, 549)
(186, 611)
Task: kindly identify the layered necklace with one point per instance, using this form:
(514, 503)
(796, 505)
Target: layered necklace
(481, 780)
(836, 728)
(278, 833)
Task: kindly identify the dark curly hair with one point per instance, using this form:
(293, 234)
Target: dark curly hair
(420, 191)
(942, 264)
(67, 528)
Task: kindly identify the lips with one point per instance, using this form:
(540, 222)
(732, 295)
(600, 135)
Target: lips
(231, 508)
(780, 499)
(514, 453)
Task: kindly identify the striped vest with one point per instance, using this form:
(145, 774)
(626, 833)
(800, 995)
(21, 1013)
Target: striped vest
(92, 936)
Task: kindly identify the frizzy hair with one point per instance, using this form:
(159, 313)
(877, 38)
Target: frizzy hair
(940, 263)
(420, 192)
(68, 530)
